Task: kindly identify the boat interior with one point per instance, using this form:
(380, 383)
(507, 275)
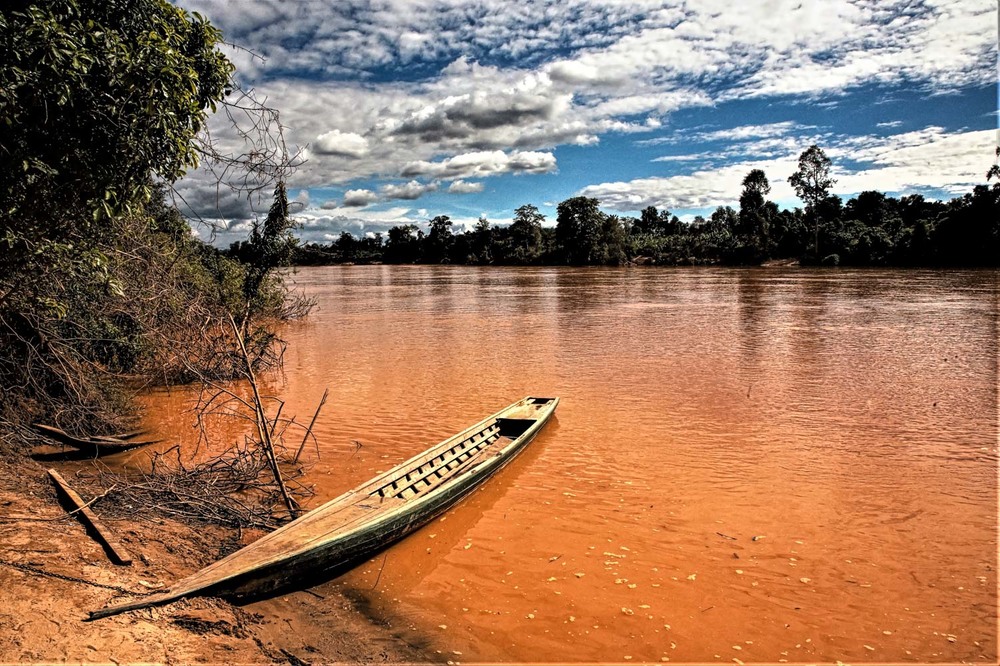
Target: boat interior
(461, 456)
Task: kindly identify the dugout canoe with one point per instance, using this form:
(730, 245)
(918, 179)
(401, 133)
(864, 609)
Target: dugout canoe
(364, 520)
(96, 446)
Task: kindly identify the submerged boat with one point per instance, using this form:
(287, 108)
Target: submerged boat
(367, 518)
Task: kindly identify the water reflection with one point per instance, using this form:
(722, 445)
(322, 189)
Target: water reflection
(754, 315)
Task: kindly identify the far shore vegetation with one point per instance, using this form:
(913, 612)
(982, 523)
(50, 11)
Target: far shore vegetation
(871, 229)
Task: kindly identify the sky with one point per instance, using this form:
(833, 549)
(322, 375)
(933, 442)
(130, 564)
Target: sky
(402, 110)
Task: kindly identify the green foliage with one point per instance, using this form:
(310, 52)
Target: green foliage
(969, 233)
(101, 284)
(96, 97)
(271, 245)
(812, 180)
(753, 228)
(439, 241)
(525, 236)
(578, 230)
(403, 244)
(812, 183)
(146, 305)
(480, 246)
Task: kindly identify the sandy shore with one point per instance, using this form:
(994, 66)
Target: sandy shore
(52, 573)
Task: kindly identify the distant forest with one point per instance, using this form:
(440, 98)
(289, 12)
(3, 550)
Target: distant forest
(871, 229)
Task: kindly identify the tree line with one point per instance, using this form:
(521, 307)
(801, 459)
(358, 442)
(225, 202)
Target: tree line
(870, 229)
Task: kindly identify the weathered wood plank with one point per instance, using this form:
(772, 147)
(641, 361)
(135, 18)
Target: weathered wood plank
(115, 551)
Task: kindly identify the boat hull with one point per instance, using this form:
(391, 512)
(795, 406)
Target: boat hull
(314, 547)
(339, 555)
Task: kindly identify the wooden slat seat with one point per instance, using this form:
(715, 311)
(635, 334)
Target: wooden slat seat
(409, 485)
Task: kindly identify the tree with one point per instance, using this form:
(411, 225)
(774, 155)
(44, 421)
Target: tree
(755, 216)
(481, 243)
(647, 222)
(403, 244)
(755, 188)
(347, 246)
(968, 234)
(812, 183)
(668, 224)
(578, 229)
(657, 223)
(439, 240)
(270, 246)
(525, 234)
(870, 207)
(610, 249)
(96, 99)
(723, 220)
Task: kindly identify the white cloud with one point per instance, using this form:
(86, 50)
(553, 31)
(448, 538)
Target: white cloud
(441, 89)
(463, 187)
(407, 191)
(358, 198)
(929, 158)
(483, 163)
(703, 188)
(575, 72)
(344, 144)
(690, 157)
(531, 162)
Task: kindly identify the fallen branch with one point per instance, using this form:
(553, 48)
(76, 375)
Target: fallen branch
(262, 423)
(115, 551)
(305, 437)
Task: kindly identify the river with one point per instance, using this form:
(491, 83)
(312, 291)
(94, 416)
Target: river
(746, 465)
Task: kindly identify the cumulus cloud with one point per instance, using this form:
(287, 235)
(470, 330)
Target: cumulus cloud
(344, 144)
(575, 72)
(463, 187)
(452, 91)
(483, 163)
(927, 158)
(200, 197)
(703, 188)
(358, 198)
(407, 191)
(930, 158)
(465, 115)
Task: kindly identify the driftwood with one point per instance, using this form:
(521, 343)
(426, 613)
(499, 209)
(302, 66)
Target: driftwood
(97, 446)
(305, 437)
(115, 550)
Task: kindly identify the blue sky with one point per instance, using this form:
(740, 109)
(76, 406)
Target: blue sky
(407, 109)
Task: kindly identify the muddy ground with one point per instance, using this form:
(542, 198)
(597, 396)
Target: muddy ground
(52, 573)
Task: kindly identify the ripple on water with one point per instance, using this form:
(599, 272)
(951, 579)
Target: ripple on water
(846, 419)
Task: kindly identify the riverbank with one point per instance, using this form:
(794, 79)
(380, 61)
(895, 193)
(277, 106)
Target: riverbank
(52, 573)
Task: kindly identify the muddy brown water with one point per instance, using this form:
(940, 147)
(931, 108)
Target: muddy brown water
(756, 465)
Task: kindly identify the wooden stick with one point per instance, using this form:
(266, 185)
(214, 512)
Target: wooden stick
(262, 424)
(274, 424)
(115, 551)
(305, 437)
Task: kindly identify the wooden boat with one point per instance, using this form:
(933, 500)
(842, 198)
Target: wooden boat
(369, 517)
(98, 445)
